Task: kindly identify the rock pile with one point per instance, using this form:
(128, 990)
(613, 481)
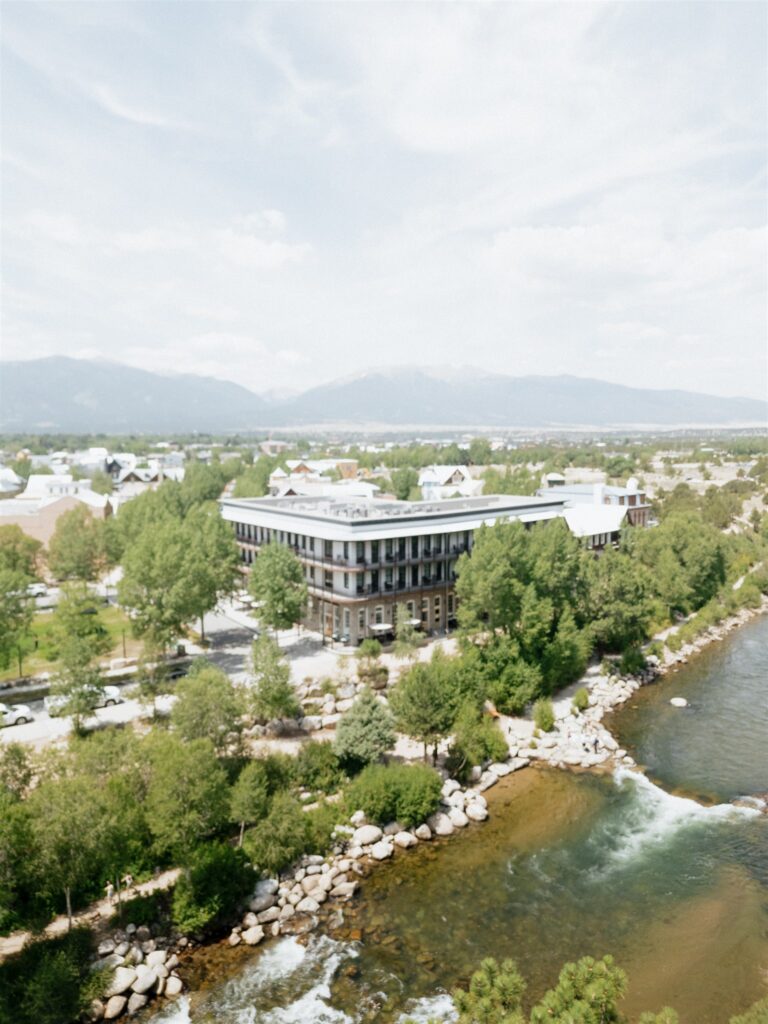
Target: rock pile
(141, 964)
(292, 903)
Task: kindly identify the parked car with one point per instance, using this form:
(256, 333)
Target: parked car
(104, 697)
(14, 714)
(37, 589)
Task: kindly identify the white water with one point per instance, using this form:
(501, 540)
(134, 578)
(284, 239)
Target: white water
(650, 819)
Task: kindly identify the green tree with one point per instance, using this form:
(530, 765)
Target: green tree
(250, 796)
(566, 655)
(16, 614)
(403, 482)
(211, 887)
(587, 991)
(155, 582)
(280, 838)
(272, 695)
(543, 714)
(80, 637)
(424, 701)
(479, 451)
(277, 584)
(494, 995)
(68, 831)
(365, 733)
(406, 637)
(476, 738)
(76, 550)
(620, 601)
(18, 552)
(210, 570)
(101, 482)
(208, 707)
(187, 796)
(254, 482)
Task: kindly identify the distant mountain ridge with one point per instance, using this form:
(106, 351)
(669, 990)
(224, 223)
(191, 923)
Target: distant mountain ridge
(59, 394)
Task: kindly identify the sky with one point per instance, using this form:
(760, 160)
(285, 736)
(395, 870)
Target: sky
(282, 194)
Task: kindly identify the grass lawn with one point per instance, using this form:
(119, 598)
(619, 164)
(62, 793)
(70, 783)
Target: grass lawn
(40, 649)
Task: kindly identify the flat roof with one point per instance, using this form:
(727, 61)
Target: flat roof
(378, 519)
(348, 510)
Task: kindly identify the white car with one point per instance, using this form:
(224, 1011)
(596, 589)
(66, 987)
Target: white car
(14, 714)
(106, 697)
(37, 590)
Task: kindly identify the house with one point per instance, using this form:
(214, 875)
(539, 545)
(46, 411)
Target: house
(10, 482)
(363, 558)
(597, 526)
(440, 482)
(630, 497)
(46, 497)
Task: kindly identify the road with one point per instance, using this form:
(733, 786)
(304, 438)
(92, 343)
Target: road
(230, 646)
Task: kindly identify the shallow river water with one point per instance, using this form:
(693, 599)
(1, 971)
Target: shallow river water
(568, 864)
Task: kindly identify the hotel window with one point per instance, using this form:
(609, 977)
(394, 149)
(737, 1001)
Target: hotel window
(374, 551)
(388, 549)
(328, 579)
(346, 620)
(450, 605)
(438, 610)
(414, 575)
(328, 548)
(346, 581)
(401, 547)
(409, 606)
(378, 614)
(346, 550)
(414, 547)
(312, 544)
(424, 609)
(401, 577)
(360, 552)
(361, 621)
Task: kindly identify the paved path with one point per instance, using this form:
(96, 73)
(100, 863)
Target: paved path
(96, 915)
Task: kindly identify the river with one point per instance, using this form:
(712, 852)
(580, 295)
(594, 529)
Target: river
(675, 887)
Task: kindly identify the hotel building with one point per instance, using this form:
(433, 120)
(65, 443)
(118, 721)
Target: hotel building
(363, 558)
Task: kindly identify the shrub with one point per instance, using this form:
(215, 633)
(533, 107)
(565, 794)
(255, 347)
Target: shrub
(632, 661)
(279, 838)
(143, 909)
(49, 981)
(518, 684)
(673, 642)
(211, 887)
(656, 649)
(543, 714)
(396, 792)
(365, 732)
(318, 767)
(476, 738)
(320, 823)
(581, 699)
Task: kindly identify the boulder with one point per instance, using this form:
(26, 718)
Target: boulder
(234, 939)
(405, 840)
(122, 948)
(475, 811)
(458, 817)
(423, 832)
(143, 934)
(96, 1010)
(264, 895)
(250, 920)
(456, 799)
(106, 947)
(157, 956)
(122, 980)
(251, 936)
(115, 1007)
(309, 883)
(393, 828)
(344, 705)
(381, 850)
(440, 824)
(137, 1002)
(487, 779)
(329, 721)
(268, 915)
(172, 962)
(344, 889)
(499, 769)
(476, 798)
(307, 906)
(145, 981)
(173, 986)
(366, 835)
(358, 819)
(449, 786)
(287, 912)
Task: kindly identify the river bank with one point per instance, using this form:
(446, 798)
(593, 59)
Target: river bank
(312, 896)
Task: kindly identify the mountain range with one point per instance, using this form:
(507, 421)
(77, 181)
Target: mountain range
(63, 395)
